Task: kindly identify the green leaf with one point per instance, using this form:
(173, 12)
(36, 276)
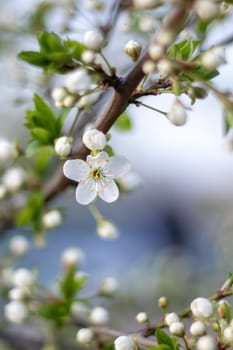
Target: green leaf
(49, 42)
(70, 284)
(31, 214)
(42, 135)
(124, 122)
(56, 310)
(183, 50)
(35, 58)
(228, 121)
(109, 150)
(163, 338)
(46, 115)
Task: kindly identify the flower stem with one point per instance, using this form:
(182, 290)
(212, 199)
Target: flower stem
(95, 212)
(107, 63)
(74, 123)
(149, 107)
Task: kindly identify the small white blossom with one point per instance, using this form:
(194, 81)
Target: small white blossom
(58, 94)
(133, 49)
(93, 40)
(162, 302)
(84, 335)
(165, 67)
(63, 146)
(201, 307)
(107, 230)
(88, 56)
(109, 286)
(197, 328)
(148, 67)
(7, 150)
(212, 58)
(124, 343)
(228, 334)
(72, 256)
(94, 140)
(23, 278)
(18, 294)
(13, 179)
(15, 312)
(145, 4)
(177, 328)
(165, 37)
(79, 309)
(177, 114)
(18, 245)
(142, 317)
(69, 101)
(147, 24)
(52, 219)
(206, 343)
(96, 176)
(171, 317)
(156, 51)
(78, 81)
(99, 315)
(206, 9)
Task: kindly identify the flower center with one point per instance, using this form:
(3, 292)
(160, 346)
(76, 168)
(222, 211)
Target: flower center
(96, 174)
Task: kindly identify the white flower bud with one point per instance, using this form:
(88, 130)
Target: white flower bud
(165, 67)
(206, 9)
(23, 278)
(63, 146)
(130, 181)
(79, 309)
(59, 93)
(94, 4)
(78, 81)
(197, 329)
(165, 37)
(156, 51)
(18, 245)
(88, 100)
(84, 335)
(93, 40)
(145, 4)
(201, 308)
(99, 315)
(7, 150)
(142, 317)
(228, 334)
(18, 294)
(163, 302)
(177, 328)
(107, 230)
(171, 317)
(52, 219)
(94, 140)
(177, 114)
(15, 312)
(146, 24)
(206, 343)
(13, 179)
(148, 67)
(88, 56)
(124, 343)
(133, 49)
(69, 101)
(72, 256)
(3, 191)
(212, 58)
(109, 286)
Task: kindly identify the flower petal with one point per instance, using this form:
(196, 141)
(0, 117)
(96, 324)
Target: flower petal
(85, 192)
(76, 169)
(109, 191)
(117, 166)
(99, 161)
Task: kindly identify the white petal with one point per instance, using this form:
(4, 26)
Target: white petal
(98, 161)
(85, 192)
(109, 191)
(117, 166)
(76, 169)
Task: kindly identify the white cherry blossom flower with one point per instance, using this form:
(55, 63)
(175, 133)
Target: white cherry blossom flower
(96, 176)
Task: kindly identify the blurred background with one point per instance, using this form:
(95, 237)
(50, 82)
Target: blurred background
(176, 227)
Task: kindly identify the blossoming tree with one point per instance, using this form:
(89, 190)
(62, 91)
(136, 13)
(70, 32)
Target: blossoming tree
(69, 126)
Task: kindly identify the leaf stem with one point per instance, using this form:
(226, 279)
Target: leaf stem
(136, 102)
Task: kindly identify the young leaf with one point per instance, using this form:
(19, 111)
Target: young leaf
(124, 122)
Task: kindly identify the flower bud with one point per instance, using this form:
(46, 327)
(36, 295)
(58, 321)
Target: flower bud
(15, 312)
(88, 56)
(124, 343)
(212, 58)
(146, 24)
(201, 308)
(162, 302)
(228, 334)
(79, 309)
(59, 94)
(78, 81)
(177, 328)
(23, 278)
(165, 67)
(177, 114)
(99, 315)
(171, 317)
(93, 40)
(63, 146)
(18, 245)
(18, 294)
(206, 9)
(145, 4)
(3, 191)
(52, 219)
(108, 286)
(72, 256)
(88, 100)
(148, 67)
(133, 49)
(13, 179)
(94, 140)
(107, 230)
(142, 317)
(206, 343)
(223, 305)
(7, 150)
(156, 51)
(197, 329)
(84, 335)
(69, 101)
(165, 37)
